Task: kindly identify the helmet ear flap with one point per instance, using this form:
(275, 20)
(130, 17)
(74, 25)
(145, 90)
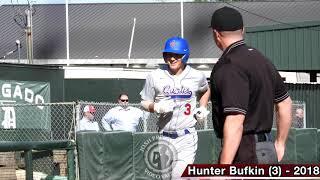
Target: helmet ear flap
(164, 55)
(185, 58)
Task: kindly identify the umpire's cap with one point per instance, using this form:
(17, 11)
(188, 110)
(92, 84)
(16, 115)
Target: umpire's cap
(226, 19)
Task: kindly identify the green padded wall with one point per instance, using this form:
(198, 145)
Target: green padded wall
(141, 141)
(306, 145)
(208, 151)
(105, 155)
(90, 155)
(290, 153)
(118, 155)
(121, 155)
(302, 146)
(209, 147)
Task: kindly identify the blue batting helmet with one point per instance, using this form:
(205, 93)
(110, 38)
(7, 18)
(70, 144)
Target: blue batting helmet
(177, 45)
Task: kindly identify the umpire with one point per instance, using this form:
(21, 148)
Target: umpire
(245, 88)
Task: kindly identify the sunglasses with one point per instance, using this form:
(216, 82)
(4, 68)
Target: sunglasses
(124, 100)
(170, 55)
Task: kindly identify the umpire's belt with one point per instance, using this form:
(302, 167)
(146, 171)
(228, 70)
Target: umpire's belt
(178, 133)
(262, 137)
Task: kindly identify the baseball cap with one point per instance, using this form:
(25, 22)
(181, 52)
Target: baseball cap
(89, 108)
(226, 19)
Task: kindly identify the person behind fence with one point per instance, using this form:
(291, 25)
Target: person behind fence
(298, 118)
(87, 122)
(171, 91)
(245, 88)
(123, 117)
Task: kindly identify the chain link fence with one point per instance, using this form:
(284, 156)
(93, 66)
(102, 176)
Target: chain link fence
(298, 113)
(299, 118)
(93, 27)
(31, 122)
(147, 123)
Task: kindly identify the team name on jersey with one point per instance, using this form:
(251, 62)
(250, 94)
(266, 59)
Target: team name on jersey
(174, 93)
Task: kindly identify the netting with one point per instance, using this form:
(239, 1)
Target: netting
(30, 122)
(93, 27)
(298, 113)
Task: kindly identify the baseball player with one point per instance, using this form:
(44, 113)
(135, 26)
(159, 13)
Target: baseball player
(171, 92)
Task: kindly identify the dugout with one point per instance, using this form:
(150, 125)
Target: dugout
(29, 84)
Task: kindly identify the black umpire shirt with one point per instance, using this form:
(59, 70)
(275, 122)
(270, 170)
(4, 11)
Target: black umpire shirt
(244, 81)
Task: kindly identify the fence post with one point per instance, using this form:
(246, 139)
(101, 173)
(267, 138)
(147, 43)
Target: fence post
(77, 118)
(145, 117)
(28, 163)
(71, 164)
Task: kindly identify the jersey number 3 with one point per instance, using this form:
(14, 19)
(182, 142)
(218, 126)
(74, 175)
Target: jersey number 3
(188, 109)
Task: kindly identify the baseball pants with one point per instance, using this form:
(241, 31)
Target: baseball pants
(185, 148)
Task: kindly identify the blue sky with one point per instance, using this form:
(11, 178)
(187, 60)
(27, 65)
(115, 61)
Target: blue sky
(3, 2)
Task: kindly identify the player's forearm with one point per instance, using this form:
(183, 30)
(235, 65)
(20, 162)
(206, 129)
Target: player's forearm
(203, 101)
(232, 134)
(284, 119)
(148, 105)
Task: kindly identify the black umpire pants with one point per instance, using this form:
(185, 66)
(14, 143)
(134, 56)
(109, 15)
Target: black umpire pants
(256, 149)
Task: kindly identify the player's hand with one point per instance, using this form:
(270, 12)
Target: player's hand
(163, 106)
(201, 114)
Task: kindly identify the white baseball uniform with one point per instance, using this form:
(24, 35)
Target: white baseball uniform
(181, 91)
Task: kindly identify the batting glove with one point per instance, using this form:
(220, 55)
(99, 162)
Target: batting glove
(201, 114)
(163, 106)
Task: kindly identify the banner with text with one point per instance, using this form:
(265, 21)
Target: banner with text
(24, 92)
